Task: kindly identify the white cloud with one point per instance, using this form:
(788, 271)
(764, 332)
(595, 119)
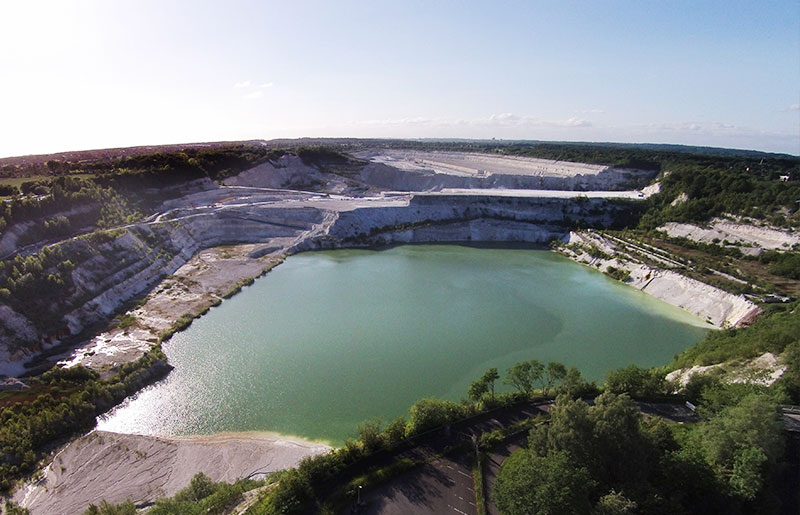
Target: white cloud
(590, 111)
(266, 85)
(243, 84)
(793, 107)
(253, 95)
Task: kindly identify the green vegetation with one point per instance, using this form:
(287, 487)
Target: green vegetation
(785, 264)
(483, 385)
(620, 274)
(607, 458)
(13, 509)
(202, 496)
(63, 402)
(723, 464)
(638, 382)
(478, 483)
(776, 330)
(590, 459)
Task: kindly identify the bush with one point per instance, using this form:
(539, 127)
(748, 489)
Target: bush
(636, 382)
(429, 413)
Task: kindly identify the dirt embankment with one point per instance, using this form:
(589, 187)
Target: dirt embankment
(116, 467)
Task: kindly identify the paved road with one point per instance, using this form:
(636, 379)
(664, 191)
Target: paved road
(441, 487)
(447, 485)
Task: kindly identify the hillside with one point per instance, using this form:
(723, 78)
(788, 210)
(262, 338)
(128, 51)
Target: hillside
(106, 253)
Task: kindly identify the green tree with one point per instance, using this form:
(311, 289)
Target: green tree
(429, 413)
(614, 503)
(477, 389)
(523, 375)
(395, 431)
(14, 509)
(635, 381)
(555, 372)
(741, 443)
(490, 377)
(369, 433)
(484, 385)
(550, 485)
(126, 508)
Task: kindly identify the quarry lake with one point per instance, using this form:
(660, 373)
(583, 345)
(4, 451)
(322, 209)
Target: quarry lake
(330, 339)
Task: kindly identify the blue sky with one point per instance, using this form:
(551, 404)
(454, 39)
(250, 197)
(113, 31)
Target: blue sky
(94, 74)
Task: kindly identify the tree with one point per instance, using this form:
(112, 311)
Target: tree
(369, 433)
(14, 509)
(522, 375)
(395, 431)
(741, 442)
(620, 449)
(490, 377)
(550, 485)
(428, 413)
(574, 386)
(635, 381)
(484, 385)
(126, 508)
(554, 372)
(477, 389)
(614, 503)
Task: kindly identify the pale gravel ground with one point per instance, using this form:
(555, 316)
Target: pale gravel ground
(473, 164)
(116, 467)
(764, 237)
(764, 369)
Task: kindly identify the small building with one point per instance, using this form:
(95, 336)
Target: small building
(785, 178)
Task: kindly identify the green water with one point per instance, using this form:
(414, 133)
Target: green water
(330, 339)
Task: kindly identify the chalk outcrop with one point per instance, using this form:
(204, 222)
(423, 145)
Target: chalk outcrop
(721, 231)
(716, 306)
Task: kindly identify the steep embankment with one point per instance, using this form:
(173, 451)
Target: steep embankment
(107, 269)
(421, 179)
(469, 218)
(610, 255)
(146, 468)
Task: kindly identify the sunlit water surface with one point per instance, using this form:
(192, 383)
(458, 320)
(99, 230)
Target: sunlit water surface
(330, 339)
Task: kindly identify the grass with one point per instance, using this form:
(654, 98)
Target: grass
(477, 476)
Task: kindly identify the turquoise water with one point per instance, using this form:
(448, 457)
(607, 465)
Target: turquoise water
(330, 339)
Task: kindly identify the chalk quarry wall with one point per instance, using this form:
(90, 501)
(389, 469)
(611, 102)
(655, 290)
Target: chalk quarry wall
(716, 306)
(459, 218)
(108, 274)
(385, 176)
(133, 262)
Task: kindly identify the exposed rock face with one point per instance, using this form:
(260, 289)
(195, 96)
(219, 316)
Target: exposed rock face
(389, 177)
(716, 306)
(720, 230)
(287, 172)
(459, 218)
(132, 261)
(108, 274)
(413, 170)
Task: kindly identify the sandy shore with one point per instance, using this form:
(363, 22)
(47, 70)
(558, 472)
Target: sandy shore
(116, 467)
